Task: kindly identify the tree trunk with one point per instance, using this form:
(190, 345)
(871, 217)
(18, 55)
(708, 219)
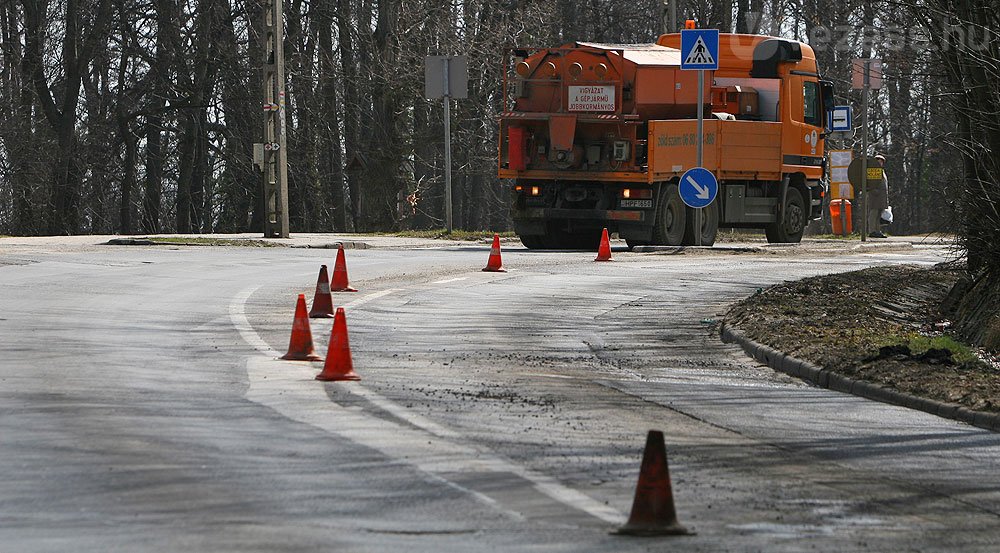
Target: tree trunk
(128, 138)
(352, 105)
(330, 137)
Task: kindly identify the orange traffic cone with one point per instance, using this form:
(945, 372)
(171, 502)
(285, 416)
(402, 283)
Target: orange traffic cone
(340, 273)
(495, 265)
(653, 511)
(300, 346)
(322, 301)
(338, 365)
(604, 250)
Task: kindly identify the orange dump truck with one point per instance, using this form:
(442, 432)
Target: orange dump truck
(598, 135)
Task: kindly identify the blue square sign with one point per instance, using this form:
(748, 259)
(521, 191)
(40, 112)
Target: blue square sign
(700, 49)
(839, 119)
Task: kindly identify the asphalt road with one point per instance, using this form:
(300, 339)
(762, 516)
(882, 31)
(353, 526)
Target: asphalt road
(143, 408)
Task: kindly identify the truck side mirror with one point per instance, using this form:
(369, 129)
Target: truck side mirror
(826, 93)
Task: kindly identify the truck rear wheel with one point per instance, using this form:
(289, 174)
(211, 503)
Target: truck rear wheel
(588, 240)
(671, 217)
(533, 241)
(633, 243)
(789, 230)
(709, 225)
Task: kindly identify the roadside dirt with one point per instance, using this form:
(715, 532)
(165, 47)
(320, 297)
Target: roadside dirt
(882, 325)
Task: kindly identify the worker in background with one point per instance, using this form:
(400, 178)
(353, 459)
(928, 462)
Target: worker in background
(878, 200)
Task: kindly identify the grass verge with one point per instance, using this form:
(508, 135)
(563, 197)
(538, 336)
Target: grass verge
(883, 325)
(203, 241)
(457, 234)
(920, 344)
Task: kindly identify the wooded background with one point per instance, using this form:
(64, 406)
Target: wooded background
(126, 116)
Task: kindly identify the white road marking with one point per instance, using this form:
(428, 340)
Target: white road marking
(367, 298)
(547, 375)
(291, 389)
(447, 280)
(238, 315)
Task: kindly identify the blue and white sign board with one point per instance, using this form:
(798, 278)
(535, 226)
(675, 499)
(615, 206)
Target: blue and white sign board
(840, 119)
(700, 49)
(698, 187)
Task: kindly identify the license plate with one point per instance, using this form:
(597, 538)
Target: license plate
(637, 203)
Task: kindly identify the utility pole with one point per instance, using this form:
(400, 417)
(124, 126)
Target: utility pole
(275, 154)
(672, 15)
(864, 148)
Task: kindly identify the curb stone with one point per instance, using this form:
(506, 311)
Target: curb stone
(827, 379)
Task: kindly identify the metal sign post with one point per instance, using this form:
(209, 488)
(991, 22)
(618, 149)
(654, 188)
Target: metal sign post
(701, 148)
(700, 51)
(446, 77)
(447, 146)
(867, 74)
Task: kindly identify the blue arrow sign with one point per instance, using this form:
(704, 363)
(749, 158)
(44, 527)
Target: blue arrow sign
(698, 187)
(700, 49)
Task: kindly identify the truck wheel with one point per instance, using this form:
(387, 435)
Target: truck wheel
(671, 215)
(633, 243)
(790, 229)
(588, 240)
(559, 240)
(709, 225)
(533, 241)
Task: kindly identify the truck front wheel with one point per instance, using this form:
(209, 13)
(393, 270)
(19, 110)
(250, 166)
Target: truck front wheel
(793, 223)
(671, 218)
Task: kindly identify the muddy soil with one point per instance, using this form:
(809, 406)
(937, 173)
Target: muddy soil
(882, 325)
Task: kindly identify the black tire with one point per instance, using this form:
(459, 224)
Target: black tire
(789, 230)
(588, 240)
(533, 241)
(671, 216)
(633, 243)
(559, 240)
(709, 225)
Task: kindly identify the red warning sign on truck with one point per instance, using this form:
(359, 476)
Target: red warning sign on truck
(592, 98)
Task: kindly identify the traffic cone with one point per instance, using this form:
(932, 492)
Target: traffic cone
(338, 365)
(604, 250)
(340, 273)
(653, 511)
(300, 346)
(322, 301)
(494, 264)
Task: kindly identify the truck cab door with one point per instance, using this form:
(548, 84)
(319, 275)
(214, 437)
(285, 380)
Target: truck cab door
(803, 145)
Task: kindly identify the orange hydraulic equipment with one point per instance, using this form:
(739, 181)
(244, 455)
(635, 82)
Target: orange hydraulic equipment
(597, 136)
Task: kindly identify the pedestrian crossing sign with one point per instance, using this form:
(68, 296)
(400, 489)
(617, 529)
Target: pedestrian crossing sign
(700, 49)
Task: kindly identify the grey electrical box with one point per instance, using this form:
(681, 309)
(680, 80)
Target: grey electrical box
(593, 154)
(620, 152)
(458, 77)
(258, 156)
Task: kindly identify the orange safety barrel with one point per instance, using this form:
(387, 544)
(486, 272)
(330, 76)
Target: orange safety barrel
(840, 216)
